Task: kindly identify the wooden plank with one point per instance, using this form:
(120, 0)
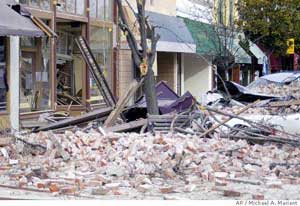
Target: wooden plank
(134, 86)
(127, 126)
(284, 103)
(33, 124)
(77, 120)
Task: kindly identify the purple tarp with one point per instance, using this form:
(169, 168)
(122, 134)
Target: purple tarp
(168, 100)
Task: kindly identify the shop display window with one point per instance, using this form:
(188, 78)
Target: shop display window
(69, 65)
(34, 74)
(101, 46)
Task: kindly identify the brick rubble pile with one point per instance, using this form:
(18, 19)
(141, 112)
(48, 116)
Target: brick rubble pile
(143, 163)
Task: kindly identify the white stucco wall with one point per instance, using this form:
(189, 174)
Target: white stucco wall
(197, 75)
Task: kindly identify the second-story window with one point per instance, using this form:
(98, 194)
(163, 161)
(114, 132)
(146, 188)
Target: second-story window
(101, 9)
(41, 4)
(71, 6)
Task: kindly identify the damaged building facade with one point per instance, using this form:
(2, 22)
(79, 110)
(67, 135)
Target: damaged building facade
(51, 75)
(48, 74)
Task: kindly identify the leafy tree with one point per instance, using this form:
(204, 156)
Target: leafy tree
(271, 22)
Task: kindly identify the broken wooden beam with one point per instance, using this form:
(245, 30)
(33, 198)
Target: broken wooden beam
(123, 101)
(284, 103)
(97, 114)
(127, 126)
(227, 120)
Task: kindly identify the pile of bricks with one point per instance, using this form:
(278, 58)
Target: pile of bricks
(162, 164)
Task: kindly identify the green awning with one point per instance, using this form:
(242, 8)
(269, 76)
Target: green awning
(205, 37)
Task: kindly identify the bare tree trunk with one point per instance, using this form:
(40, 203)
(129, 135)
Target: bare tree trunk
(144, 57)
(150, 93)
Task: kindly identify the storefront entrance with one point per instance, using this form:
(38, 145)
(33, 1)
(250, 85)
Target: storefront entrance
(69, 64)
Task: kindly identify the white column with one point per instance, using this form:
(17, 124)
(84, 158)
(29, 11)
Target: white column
(182, 74)
(14, 82)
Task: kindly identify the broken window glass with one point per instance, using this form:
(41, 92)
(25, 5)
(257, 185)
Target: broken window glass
(34, 74)
(108, 10)
(3, 75)
(93, 7)
(80, 6)
(101, 9)
(42, 4)
(45, 4)
(71, 6)
(61, 5)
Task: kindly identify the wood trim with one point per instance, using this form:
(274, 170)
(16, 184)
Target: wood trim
(25, 115)
(84, 70)
(99, 23)
(88, 35)
(43, 14)
(79, 108)
(71, 17)
(53, 60)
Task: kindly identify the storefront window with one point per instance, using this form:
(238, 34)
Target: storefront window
(102, 9)
(34, 74)
(69, 64)
(3, 75)
(101, 45)
(42, 4)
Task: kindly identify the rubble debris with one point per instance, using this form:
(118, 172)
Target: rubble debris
(97, 114)
(103, 165)
(227, 120)
(5, 141)
(231, 193)
(127, 126)
(123, 101)
(167, 122)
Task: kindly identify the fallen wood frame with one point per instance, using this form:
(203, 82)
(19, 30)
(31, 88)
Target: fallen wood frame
(127, 126)
(273, 139)
(97, 114)
(284, 103)
(164, 123)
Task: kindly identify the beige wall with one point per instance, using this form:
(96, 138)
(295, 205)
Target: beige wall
(167, 7)
(165, 62)
(166, 68)
(197, 75)
(125, 71)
